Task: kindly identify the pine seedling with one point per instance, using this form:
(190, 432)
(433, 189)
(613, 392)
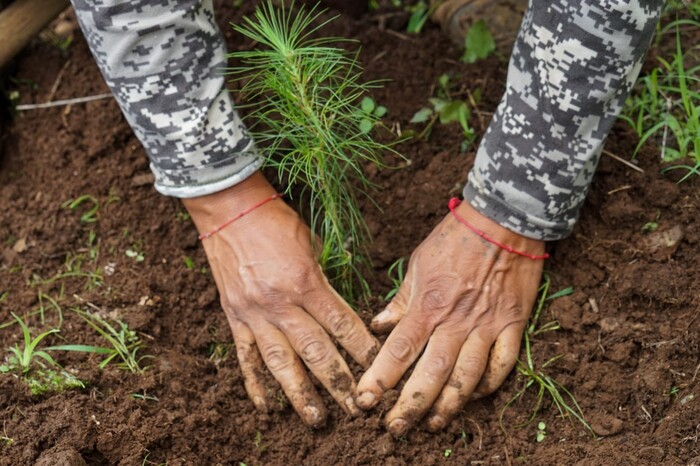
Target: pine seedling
(306, 93)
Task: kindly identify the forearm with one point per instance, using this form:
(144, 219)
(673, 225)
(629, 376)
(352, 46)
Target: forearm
(572, 67)
(163, 61)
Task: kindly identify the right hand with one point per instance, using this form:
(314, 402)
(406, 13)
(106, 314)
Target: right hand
(279, 305)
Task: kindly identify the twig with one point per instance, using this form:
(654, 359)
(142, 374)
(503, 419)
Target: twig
(621, 188)
(623, 161)
(398, 34)
(57, 82)
(62, 103)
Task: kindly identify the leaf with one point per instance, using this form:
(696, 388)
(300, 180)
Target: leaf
(380, 111)
(438, 104)
(479, 43)
(367, 105)
(422, 115)
(455, 111)
(366, 126)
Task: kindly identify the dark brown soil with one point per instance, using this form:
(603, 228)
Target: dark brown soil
(631, 331)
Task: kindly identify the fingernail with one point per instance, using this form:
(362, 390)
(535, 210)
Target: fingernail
(398, 427)
(366, 400)
(351, 406)
(313, 416)
(436, 423)
(260, 404)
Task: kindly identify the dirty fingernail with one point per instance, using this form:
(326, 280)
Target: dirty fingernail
(436, 423)
(313, 416)
(398, 427)
(260, 404)
(351, 406)
(366, 400)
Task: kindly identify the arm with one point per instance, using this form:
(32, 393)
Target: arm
(464, 304)
(163, 62)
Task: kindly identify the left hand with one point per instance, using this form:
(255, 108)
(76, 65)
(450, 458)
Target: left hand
(466, 302)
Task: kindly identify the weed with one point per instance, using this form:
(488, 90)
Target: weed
(144, 396)
(536, 377)
(48, 377)
(258, 441)
(541, 432)
(124, 343)
(189, 263)
(73, 266)
(665, 107)
(89, 216)
(305, 94)
(396, 275)
(447, 453)
(370, 113)
(479, 43)
(446, 110)
(219, 352)
(134, 254)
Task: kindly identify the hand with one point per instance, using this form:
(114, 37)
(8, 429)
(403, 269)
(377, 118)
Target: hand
(279, 305)
(462, 299)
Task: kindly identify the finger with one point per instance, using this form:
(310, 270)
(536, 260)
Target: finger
(335, 315)
(465, 376)
(281, 360)
(251, 363)
(504, 355)
(400, 350)
(427, 380)
(386, 320)
(320, 355)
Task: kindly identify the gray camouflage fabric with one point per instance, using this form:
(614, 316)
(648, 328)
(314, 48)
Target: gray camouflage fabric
(572, 67)
(163, 60)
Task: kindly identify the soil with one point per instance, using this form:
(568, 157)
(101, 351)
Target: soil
(630, 337)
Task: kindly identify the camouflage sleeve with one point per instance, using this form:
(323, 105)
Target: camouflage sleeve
(572, 67)
(163, 61)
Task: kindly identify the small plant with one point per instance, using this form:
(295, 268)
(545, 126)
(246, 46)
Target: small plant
(396, 275)
(134, 254)
(445, 109)
(258, 441)
(48, 376)
(535, 376)
(89, 216)
(541, 432)
(447, 453)
(124, 343)
(479, 43)
(665, 107)
(305, 93)
(370, 113)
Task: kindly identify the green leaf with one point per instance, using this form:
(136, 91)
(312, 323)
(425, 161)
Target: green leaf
(366, 126)
(422, 115)
(455, 111)
(380, 111)
(367, 105)
(479, 43)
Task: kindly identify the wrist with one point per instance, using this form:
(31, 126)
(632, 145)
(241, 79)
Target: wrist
(498, 232)
(210, 211)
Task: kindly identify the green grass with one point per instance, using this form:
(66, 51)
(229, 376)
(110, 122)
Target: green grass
(535, 377)
(37, 369)
(305, 93)
(664, 107)
(124, 343)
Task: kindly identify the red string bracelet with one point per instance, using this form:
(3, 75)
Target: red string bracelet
(454, 202)
(204, 236)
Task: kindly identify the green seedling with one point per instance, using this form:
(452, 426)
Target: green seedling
(258, 441)
(535, 376)
(189, 263)
(124, 343)
(73, 269)
(447, 453)
(134, 254)
(48, 376)
(144, 397)
(446, 111)
(479, 43)
(304, 93)
(541, 432)
(90, 216)
(370, 113)
(396, 275)
(665, 107)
